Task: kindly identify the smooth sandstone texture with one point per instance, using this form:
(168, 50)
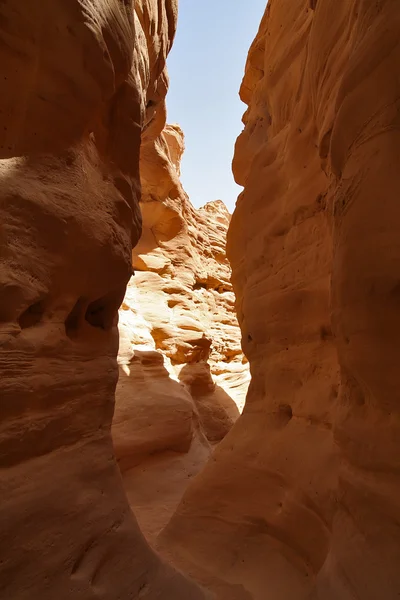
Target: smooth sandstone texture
(80, 82)
(302, 498)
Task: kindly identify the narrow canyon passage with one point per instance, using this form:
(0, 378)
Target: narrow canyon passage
(137, 459)
(183, 376)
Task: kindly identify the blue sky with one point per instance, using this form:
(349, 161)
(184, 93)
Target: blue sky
(206, 67)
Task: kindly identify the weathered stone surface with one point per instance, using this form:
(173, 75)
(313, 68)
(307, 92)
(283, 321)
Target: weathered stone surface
(183, 376)
(302, 497)
(180, 305)
(80, 82)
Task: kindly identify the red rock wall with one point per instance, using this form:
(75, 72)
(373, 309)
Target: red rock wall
(301, 499)
(79, 82)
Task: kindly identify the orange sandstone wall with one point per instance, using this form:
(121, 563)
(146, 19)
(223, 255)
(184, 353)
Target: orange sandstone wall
(302, 498)
(80, 80)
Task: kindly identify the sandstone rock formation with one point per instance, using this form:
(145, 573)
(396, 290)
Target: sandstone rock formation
(302, 497)
(300, 500)
(183, 376)
(181, 361)
(81, 80)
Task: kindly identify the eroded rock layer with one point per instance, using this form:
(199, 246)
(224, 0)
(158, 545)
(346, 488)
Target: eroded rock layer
(182, 368)
(302, 498)
(81, 80)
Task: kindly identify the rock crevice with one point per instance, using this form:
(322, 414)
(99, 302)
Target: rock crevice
(300, 497)
(180, 339)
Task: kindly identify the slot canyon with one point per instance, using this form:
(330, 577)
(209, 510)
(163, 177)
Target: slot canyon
(197, 405)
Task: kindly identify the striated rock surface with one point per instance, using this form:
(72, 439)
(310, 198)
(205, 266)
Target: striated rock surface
(183, 375)
(302, 497)
(81, 80)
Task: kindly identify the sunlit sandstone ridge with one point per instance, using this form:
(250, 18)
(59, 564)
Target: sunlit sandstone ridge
(177, 322)
(302, 497)
(81, 81)
(183, 377)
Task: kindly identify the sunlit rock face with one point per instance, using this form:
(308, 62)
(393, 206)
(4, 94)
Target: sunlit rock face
(81, 80)
(183, 375)
(302, 497)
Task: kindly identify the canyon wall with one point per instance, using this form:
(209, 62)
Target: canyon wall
(83, 81)
(183, 377)
(301, 500)
(181, 364)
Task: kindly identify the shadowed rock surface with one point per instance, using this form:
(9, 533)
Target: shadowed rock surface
(302, 497)
(80, 82)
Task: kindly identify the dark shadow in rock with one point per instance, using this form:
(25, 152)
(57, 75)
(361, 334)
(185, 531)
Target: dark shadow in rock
(217, 410)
